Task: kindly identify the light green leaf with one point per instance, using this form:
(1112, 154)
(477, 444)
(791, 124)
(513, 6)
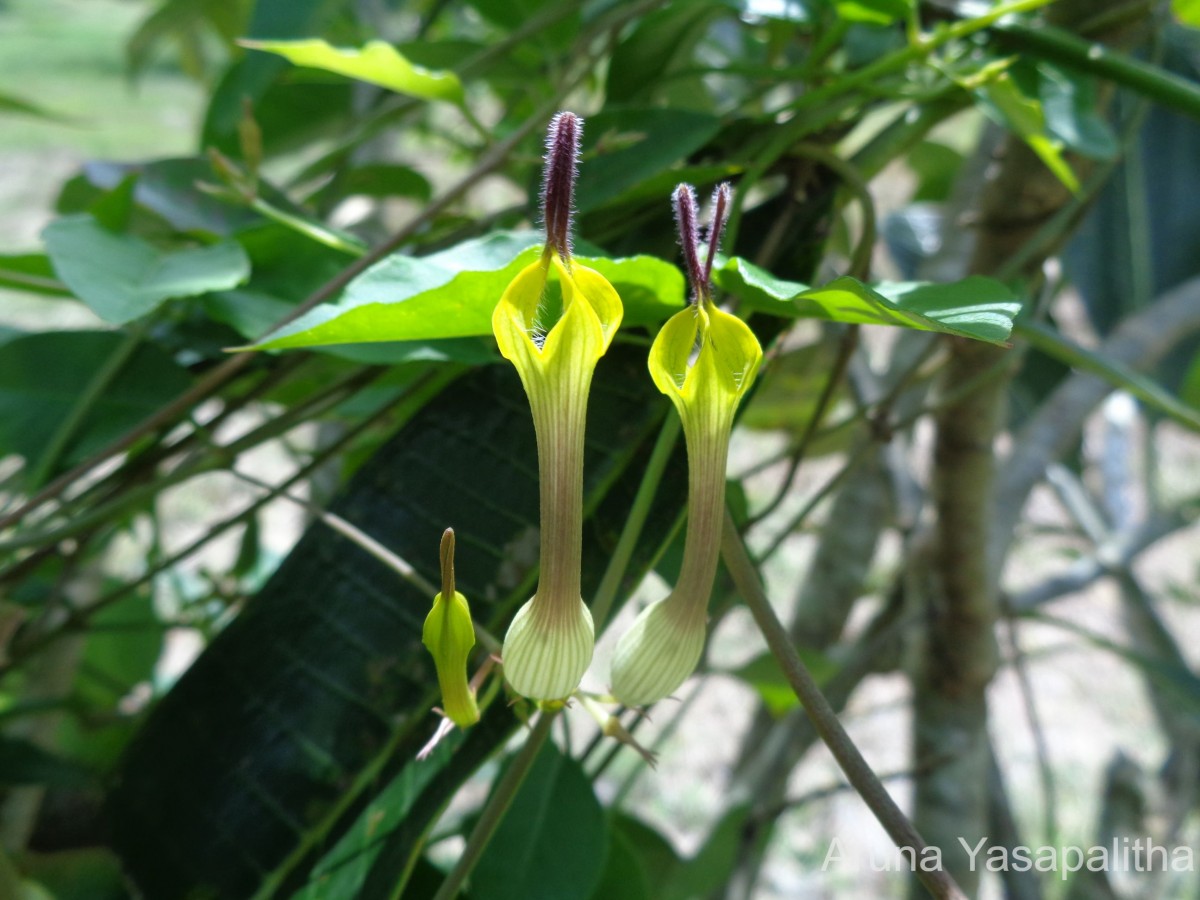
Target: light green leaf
(764, 675)
(875, 12)
(451, 294)
(377, 62)
(1145, 389)
(976, 307)
(121, 277)
(1003, 102)
(551, 844)
(1187, 11)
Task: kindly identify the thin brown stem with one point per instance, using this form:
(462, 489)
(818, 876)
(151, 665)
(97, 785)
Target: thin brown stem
(938, 882)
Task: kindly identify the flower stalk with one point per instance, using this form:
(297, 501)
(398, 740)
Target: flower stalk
(704, 360)
(549, 644)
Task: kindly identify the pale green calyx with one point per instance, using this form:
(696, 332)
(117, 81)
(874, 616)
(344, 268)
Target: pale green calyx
(449, 635)
(705, 360)
(549, 644)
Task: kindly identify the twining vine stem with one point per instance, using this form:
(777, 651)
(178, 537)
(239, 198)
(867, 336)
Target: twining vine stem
(745, 577)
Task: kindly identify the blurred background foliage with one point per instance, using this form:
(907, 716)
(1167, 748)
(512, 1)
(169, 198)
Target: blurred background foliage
(211, 678)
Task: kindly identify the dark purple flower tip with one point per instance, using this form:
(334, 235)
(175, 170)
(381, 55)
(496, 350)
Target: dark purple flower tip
(720, 206)
(685, 217)
(558, 180)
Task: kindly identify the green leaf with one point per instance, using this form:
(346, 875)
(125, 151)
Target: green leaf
(643, 142)
(763, 674)
(22, 762)
(658, 857)
(1003, 102)
(551, 843)
(662, 42)
(714, 862)
(624, 876)
(1187, 12)
(874, 12)
(1069, 104)
(121, 650)
(1117, 374)
(976, 307)
(377, 62)
(303, 709)
(43, 375)
(452, 294)
(121, 277)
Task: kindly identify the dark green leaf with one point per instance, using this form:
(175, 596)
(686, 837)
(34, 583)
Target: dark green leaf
(42, 376)
(662, 42)
(551, 843)
(631, 145)
(624, 876)
(89, 873)
(22, 762)
(976, 307)
(452, 294)
(122, 277)
(659, 859)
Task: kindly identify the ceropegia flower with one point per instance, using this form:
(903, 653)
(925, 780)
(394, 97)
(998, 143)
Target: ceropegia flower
(549, 643)
(449, 635)
(705, 360)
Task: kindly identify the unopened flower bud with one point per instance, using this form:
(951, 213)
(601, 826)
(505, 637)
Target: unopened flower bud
(449, 635)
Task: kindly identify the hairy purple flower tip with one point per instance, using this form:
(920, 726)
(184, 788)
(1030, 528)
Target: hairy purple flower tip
(558, 180)
(685, 218)
(720, 204)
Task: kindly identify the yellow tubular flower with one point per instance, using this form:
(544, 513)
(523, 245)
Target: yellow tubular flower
(704, 360)
(549, 643)
(449, 635)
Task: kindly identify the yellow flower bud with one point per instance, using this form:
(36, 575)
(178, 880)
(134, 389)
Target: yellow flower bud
(449, 635)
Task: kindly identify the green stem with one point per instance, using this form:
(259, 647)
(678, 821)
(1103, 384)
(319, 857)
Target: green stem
(619, 562)
(824, 719)
(1061, 46)
(497, 805)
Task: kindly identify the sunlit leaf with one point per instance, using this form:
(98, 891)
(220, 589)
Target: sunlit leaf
(976, 307)
(121, 277)
(875, 12)
(451, 294)
(376, 62)
(1003, 101)
(1187, 11)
